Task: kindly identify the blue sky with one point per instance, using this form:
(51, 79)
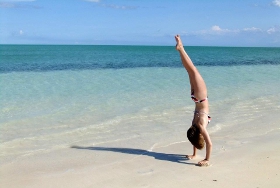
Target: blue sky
(141, 22)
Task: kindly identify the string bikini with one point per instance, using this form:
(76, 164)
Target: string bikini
(199, 101)
(196, 100)
(200, 112)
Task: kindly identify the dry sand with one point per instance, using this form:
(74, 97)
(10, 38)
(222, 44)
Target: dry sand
(237, 161)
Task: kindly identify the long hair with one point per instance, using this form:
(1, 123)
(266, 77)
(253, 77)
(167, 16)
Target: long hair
(195, 137)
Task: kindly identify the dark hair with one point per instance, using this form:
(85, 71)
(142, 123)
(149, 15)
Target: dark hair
(195, 137)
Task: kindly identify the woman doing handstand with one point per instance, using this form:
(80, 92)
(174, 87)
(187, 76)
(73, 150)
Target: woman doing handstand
(197, 133)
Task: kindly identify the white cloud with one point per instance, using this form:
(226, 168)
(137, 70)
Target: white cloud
(118, 6)
(94, 1)
(21, 32)
(12, 3)
(112, 5)
(276, 3)
(217, 29)
(271, 30)
(252, 29)
(18, 4)
(6, 5)
(214, 30)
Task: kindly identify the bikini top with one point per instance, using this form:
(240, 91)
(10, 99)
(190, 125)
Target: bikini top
(198, 101)
(195, 99)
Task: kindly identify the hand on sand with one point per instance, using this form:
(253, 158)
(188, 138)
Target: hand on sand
(190, 156)
(204, 163)
(179, 45)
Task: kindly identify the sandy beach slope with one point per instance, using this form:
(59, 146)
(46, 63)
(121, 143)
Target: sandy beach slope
(237, 161)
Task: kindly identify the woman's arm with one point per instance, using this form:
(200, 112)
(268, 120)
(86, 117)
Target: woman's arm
(208, 142)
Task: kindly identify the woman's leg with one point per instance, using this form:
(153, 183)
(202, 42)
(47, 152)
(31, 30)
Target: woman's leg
(196, 81)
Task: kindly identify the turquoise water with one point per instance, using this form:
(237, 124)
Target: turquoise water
(20, 58)
(55, 96)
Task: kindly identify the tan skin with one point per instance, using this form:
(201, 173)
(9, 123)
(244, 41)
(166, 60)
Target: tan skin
(200, 92)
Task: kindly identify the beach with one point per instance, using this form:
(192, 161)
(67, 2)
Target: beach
(246, 162)
(113, 120)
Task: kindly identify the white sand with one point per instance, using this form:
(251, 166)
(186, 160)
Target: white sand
(245, 154)
(236, 162)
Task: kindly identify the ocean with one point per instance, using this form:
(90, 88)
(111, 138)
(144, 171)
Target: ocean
(53, 97)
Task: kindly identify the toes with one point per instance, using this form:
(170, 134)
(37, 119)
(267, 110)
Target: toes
(203, 164)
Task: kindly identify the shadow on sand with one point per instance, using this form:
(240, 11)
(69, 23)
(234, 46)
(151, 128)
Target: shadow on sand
(159, 156)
